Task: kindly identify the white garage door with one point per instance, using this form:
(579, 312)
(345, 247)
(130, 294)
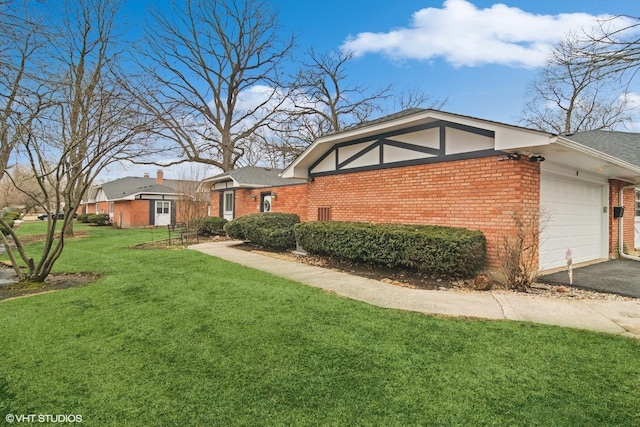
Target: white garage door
(575, 219)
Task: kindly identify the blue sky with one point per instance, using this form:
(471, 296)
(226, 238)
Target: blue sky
(486, 51)
(477, 54)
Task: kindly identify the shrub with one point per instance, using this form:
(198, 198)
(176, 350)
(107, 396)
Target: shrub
(211, 225)
(438, 250)
(4, 230)
(11, 215)
(271, 230)
(99, 219)
(519, 251)
(84, 218)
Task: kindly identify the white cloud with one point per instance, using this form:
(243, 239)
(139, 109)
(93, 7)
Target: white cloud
(464, 35)
(632, 100)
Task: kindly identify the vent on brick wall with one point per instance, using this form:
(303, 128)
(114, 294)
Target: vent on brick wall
(324, 213)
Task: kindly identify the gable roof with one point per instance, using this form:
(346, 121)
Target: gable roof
(129, 187)
(252, 177)
(123, 187)
(506, 137)
(621, 145)
(607, 153)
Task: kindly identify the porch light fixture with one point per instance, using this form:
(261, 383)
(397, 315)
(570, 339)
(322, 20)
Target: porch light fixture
(254, 197)
(274, 195)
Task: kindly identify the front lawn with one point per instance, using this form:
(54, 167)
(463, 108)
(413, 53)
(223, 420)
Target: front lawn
(175, 337)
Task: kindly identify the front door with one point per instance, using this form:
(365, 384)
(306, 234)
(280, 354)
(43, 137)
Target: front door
(163, 212)
(227, 205)
(265, 206)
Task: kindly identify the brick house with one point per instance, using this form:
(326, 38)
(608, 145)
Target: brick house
(135, 202)
(253, 189)
(432, 167)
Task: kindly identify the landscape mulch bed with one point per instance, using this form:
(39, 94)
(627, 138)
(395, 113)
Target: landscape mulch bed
(419, 280)
(54, 282)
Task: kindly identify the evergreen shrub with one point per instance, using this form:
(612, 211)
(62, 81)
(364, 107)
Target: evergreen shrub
(99, 219)
(211, 225)
(270, 230)
(446, 251)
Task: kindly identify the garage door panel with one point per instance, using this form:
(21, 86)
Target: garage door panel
(575, 220)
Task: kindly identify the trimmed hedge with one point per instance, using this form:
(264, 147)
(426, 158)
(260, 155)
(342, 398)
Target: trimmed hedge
(447, 251)
(271, 230)
(211, 225)
(99, 219)
(83, 218)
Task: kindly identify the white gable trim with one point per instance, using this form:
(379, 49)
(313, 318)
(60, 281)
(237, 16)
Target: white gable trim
(505, 137)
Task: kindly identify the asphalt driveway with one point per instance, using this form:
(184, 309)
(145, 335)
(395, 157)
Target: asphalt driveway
(616, 276)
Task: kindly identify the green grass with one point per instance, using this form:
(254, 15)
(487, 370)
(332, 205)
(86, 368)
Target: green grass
(180, 338)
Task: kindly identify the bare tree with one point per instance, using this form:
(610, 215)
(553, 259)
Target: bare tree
(191, 205)
(613, 46)
(573, 93)
(324, 102)
(94, 121)
(518, 252)
(20, 188)
(413, 97)
(21, 95)
(21, 41)
(213, 77)
(89, 122)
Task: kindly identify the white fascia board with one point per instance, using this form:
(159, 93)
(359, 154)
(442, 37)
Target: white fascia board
(510, 139)
(299, 168)
(507, 137)
(564, 142)
(226, 178)
(154, 196)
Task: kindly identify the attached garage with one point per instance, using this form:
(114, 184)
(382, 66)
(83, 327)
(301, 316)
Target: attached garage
(574, 217)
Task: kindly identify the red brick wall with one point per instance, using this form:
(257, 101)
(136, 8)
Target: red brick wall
(288, 199)
(131, 213)
(103, 208)
(627, 220)
(478, 194)
(214, 203)
(245, 204)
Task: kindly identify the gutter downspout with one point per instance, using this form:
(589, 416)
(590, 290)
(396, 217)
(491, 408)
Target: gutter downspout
(621, 226)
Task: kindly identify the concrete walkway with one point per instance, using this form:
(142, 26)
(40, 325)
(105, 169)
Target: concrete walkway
(614, 317)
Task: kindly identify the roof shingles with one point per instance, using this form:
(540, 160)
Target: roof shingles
(124, 187)
(622, 145)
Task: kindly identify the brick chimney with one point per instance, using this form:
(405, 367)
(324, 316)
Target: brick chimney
(160, 178)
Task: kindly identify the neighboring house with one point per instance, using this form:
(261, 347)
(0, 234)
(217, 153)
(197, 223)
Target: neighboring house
(134, 202)
(242, 191)
(432, 167)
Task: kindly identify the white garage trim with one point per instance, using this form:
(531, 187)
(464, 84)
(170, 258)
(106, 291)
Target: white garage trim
(575, 204)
